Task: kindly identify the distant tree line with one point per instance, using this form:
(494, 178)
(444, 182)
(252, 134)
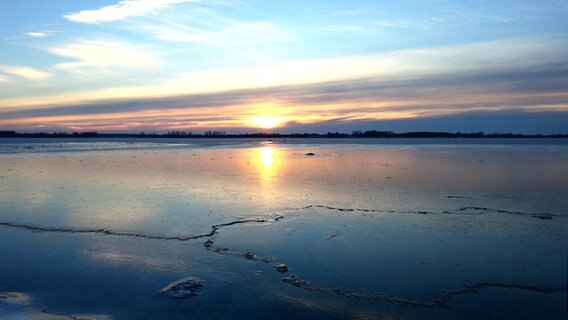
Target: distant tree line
(223, 134)
(14, 134)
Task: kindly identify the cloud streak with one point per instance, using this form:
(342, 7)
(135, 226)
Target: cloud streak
(399, 65)
(229, 35)
(390, 24)
(536, 91)
(37, 34)
(106, 53)
(122, 10)
(504, 77)
(23, 72)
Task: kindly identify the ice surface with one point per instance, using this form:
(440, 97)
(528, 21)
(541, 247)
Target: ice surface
(412, 231)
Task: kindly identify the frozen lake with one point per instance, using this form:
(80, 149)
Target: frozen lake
(302, 229)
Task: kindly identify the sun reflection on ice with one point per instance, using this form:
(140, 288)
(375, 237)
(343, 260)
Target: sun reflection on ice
(267, 158)
(267, 162)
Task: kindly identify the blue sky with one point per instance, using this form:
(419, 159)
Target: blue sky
(142, 65)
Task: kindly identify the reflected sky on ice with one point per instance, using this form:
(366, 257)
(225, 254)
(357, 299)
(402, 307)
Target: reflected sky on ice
(93, 232)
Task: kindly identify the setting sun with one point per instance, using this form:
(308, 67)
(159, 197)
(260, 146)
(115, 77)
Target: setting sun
(266, 122)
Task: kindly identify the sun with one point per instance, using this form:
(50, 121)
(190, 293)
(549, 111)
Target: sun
(266, 122)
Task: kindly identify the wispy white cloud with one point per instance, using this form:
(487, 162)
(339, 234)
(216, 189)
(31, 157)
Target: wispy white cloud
(344, 29)
(106, 53)
(233, 34)
(207, 25)
(390, 24)
(493, 55)
(393, 66)
(24, 72)
(3, 79)
(198, 24)
(122, 10)
(38, 34)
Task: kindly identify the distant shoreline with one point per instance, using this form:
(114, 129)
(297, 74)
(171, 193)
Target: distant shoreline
(221, 134)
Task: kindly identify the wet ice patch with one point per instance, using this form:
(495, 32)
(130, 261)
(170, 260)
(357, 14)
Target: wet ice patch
(13, 305)
(14, 298)
(185, 288)
(17, 306)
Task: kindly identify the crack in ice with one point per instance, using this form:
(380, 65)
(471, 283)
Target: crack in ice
(108, 232)
(443, 301)
(470, 211)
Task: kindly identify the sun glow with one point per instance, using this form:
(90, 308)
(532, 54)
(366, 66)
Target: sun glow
(266, 122)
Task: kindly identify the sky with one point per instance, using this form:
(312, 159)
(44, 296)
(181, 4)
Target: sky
(284, 66)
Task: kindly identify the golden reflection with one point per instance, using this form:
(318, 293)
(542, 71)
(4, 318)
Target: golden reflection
(267, 162)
